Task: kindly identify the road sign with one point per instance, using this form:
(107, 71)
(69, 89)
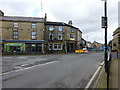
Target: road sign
(104, 22)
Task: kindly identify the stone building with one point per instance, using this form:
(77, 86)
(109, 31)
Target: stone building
(21, 34)
(116, 40)
(62, 37)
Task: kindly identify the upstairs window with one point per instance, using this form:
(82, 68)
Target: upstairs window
(60, 28)
(50, 36)
(34, 25)
(33, 35)
(59, 36)
(71, 30)
(15, 25)
(71, 36)
(15, 34)
(51, 28)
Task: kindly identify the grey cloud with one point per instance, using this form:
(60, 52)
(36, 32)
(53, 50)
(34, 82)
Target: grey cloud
(85, 14)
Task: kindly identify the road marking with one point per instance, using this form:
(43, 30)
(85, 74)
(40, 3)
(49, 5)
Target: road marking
(91, 80)
(21, 57)
(28, 68)
(6, 57)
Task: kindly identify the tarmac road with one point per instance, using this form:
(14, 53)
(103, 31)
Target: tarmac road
(63, 71)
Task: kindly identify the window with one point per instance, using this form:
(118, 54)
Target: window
(51, 28)
(78, 38)
(60, 28)
(33, 34)
(59, 46)
(60, 36)
(118, 38)
(55, 47)
(34, 25)
(50, 46)
(72, 36)
(15, 34)
(15, 25)
(72, 30)
(50, 36)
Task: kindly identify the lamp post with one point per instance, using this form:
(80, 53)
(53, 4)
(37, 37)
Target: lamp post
(51, 40)
(104, 25)
(65, 42)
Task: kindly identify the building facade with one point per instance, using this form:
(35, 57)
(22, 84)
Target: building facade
(22, 34)
(116, 40)
(62, 37)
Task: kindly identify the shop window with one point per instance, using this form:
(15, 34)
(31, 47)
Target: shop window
(33, 48)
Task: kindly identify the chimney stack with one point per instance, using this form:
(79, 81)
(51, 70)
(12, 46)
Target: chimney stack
(1, 13)
(70, 22)
(45, 16)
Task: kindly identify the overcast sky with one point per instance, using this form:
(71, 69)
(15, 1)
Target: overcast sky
(85, 14)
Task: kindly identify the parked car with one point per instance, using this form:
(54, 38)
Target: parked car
(85, 50)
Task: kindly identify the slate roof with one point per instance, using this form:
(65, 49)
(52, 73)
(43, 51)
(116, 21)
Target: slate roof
(27, 19)
(59, 24)
(116, 31)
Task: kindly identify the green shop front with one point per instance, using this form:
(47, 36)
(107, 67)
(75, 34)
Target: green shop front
(23, 46)
(15, 48)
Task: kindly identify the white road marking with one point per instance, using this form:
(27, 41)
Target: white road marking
(28, 68)
(21, 57)
(6, 57)
(91, 80)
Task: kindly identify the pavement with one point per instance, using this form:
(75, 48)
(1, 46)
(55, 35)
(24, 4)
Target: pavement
(63, 71)
(114, 80)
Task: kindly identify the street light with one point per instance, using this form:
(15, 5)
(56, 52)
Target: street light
(51, 40)
(104, 25)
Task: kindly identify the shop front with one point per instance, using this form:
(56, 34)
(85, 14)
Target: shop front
(33, 47)
(23, 46)
(14, 48)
